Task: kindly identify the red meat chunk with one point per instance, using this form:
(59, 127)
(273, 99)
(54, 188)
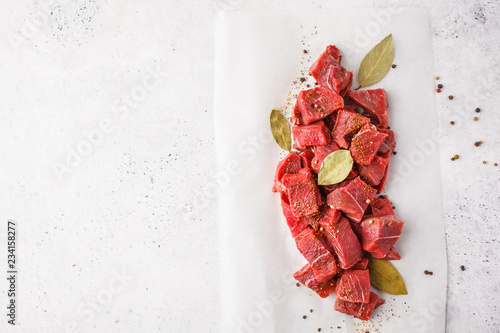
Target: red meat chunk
(306, 277)
(317, 134)
(321, 260)
(356, 228)
(352, 199)
(381, 207)
(362, 311)
(379, 234)
(347, 124)
(380, 187)
(317, 103)
(320, 154)
(393, 254)
(343, 240)
(344, 91)
(350, 108)
(303, 194)
(330, 120)
(290, 164)
(329, 73)
(296, 118)
(365, 144)
(362, 264)
(306, 156)
(374, 102)
(296, 224)
(375, 171)
(354, 286)
(328, 215)
(389, 143)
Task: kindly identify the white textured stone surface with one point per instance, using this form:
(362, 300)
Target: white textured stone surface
(123, 206)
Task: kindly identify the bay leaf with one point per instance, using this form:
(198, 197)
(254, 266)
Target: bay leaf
(335, 167)
(386, 277)
(280, 130)
(376, 63)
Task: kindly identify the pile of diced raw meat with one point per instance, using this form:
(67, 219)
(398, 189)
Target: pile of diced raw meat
(335, 227)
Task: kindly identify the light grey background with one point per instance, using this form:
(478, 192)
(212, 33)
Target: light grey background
(118, 238)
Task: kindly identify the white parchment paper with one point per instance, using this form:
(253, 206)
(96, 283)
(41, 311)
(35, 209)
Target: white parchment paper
(258, 57)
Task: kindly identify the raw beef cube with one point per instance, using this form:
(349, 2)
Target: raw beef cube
(306, 156)
(296, 118)
(344, 91)
(362, 264)
(327, 215)
(328, 71)
(380, 187)
(354, 286)
(296, 224)
(375, 171)
(317, 103)
(330, 120)
(393, 254)
(306, 277)
(362, 311)
(379, 234)
(320, 154)
(343, 240)
(350, 108)
(353, 174)
(365, 144)
(317, 134)
(374, 102)
(347, 124)
(290, 164)
(381, 207)
(352, 199)
(322, 261)
(303, 194)
(389, 143)
(356, 228)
